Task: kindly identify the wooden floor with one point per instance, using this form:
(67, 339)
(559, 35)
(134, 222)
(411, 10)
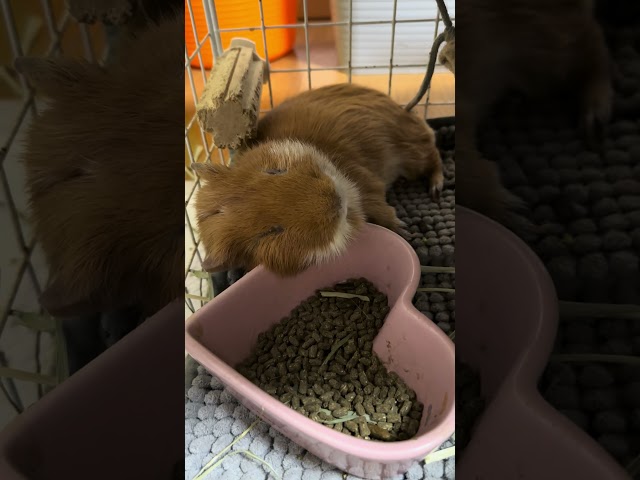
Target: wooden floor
(402, 88)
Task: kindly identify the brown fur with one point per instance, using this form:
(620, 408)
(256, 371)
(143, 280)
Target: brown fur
(367, 137)
(103, 179)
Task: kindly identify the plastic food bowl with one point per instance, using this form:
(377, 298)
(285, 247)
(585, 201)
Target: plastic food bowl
(510, 317)
(222, 333)
(50, 439)
(243, 14)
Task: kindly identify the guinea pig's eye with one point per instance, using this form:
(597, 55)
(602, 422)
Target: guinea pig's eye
(272, 231)
(274, 171)
(207, 214)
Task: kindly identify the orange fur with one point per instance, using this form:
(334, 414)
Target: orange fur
(247, 217)
(104, 186)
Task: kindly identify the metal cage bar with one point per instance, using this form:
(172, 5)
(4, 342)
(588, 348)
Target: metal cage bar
(25, 275)
(266, 52)
(393, 44)
(428, 94)
(306, 41)
(330, 24)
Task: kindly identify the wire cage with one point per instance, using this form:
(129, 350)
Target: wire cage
(31, 346)
(383, 44)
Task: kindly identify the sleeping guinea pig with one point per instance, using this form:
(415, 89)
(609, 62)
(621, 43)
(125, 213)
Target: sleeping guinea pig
(318, 169)
(105, 190)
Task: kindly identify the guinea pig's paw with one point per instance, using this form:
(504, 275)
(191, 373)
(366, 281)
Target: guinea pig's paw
(593, 131)
(597, 113)
(385, 216)
(397, 225)
(436, 184)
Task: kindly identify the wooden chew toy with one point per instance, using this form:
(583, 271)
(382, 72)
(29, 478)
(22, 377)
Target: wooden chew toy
(230, 103)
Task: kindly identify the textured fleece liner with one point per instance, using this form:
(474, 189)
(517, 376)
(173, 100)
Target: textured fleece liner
(587, 206)
(214, 418)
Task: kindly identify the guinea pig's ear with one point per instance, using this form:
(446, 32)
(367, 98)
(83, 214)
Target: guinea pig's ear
(59, 301)
(212, 265)
(209, 171)
(56, 76)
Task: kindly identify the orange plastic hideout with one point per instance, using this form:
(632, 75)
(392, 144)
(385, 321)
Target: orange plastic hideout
(242, 14)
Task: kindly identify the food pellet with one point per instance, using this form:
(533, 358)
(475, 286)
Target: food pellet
(364, 430)
(351, 426)
(325, 416)
(312, 407)
(379, 417)
(406, 408)
(320, 361)
(393, 417)
(379, 433)
(302, 387)
(340, 412)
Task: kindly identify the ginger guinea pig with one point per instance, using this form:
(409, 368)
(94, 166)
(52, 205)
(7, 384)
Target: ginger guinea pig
(104, 177)
(318, 169)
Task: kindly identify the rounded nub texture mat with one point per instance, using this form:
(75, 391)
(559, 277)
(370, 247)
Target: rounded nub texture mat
(586, 206)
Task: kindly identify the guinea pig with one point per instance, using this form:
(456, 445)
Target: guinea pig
(534, 47)
(103, 181)
(447, 55)
(318, 168)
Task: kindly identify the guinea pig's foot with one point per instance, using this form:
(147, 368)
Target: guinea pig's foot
(597, 114)
(385, 216)
(593, 132)
(436, 185)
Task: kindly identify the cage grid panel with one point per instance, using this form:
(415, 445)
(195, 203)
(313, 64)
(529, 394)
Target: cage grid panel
(25, 272)
(197, 288)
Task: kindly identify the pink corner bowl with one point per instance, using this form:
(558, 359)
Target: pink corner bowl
(507, 320)
(222, 333)
(98, 423)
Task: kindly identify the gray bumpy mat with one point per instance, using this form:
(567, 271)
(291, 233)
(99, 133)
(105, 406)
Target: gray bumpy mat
(585, 204)
(214, 418)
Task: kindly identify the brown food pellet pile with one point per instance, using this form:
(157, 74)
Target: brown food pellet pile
(319, 361)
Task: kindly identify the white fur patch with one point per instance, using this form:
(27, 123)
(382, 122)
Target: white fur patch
(287, 151)
(350, 199)
(338, 244)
